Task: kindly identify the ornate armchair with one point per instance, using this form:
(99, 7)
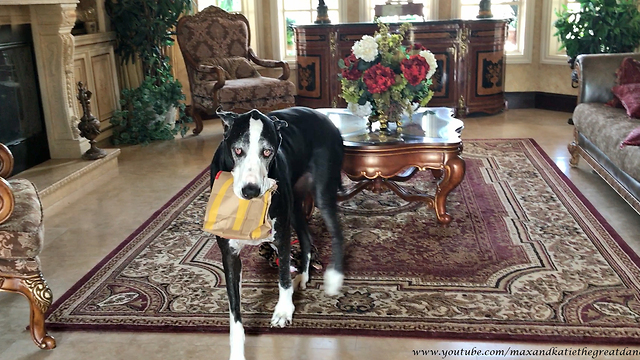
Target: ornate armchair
(21, 237)
(215, 47)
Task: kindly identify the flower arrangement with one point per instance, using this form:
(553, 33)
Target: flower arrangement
(382, 79)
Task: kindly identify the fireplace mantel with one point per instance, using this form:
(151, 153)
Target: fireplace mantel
(51, 23)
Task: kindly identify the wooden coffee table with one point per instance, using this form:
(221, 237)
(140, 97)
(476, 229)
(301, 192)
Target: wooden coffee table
(376, 161)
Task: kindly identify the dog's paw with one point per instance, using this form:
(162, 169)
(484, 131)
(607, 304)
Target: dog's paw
(332, 282)
(300, 281)
(283, 314)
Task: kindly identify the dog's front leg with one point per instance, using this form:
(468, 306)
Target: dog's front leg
(230, 250)
(283, 313)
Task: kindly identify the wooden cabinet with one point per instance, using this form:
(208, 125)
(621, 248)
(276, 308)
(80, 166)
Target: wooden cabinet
(94, 65)
(470, 55)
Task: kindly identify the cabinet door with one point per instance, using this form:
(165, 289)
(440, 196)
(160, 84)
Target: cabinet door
(94, 65)
(105, 97)
(487, 59)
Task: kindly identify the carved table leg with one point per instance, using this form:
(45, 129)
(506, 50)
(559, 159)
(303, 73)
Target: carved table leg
(36, 290)
(453, 175)
(437, 173)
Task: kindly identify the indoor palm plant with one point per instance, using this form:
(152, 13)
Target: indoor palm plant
(143, 29)
(600, 26)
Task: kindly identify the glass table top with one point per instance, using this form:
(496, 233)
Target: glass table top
(426, 126)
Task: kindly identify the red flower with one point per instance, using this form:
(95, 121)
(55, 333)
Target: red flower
(378, 78)
(351, 59)
(414, 69)
(416, 47)
(351, 74)
(351, 71)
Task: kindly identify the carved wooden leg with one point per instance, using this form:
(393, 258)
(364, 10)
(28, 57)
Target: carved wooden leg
(575, 154)
(36, 290)
(453, 175)
(573, 150)
(437, 173)
(197, 119)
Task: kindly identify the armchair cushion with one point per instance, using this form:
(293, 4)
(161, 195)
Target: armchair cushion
(235, 67)
(20, 267)
(21, 235)
(247, 90)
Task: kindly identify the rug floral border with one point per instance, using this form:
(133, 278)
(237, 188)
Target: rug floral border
(618, 252)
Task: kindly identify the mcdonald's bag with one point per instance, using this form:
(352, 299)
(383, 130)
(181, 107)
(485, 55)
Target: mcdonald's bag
(231, 217)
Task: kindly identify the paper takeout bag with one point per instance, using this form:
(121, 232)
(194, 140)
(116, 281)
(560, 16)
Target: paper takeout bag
(231, 217)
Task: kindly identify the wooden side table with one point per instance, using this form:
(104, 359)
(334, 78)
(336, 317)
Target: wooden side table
(375, 160)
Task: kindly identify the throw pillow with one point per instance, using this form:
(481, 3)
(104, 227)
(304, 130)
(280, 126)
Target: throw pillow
(632, 139)
(629, 96)
(627, 73)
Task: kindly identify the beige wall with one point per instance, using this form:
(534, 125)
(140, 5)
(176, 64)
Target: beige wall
(519, 77)
(537, 76)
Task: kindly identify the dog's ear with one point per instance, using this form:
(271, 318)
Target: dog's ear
(227, 117)
(279, 124)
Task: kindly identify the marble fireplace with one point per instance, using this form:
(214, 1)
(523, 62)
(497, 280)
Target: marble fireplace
(51, 23)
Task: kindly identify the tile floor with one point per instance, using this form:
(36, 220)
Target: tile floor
(79, 235)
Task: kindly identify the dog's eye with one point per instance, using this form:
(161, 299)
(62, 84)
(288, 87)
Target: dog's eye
(238, 151)
(266, 152)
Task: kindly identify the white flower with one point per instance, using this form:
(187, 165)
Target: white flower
(360, 110)
(431, 60)
(365, 49)
(379, 37)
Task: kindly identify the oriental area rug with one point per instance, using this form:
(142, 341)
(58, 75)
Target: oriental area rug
(525, 258)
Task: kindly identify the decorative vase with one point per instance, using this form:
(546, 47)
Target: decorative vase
(384, 121)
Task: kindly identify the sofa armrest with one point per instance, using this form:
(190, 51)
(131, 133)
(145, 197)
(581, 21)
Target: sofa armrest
(597, 75)
(6, 194)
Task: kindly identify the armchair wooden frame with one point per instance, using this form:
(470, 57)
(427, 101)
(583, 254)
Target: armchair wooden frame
(33, 287)
(197, 110)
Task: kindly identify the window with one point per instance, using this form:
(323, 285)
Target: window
(300, 12)
(551, 53)
(518, 44)
(227, 5)
(430, 11)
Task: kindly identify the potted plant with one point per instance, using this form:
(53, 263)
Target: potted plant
(600, 26)
(143, 29)
(382, 79)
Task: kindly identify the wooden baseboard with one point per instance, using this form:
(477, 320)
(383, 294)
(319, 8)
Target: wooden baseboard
(541, 100)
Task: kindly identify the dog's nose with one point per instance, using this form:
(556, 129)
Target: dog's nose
(250, 191)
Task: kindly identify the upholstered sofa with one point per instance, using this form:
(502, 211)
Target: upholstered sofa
(599, 129)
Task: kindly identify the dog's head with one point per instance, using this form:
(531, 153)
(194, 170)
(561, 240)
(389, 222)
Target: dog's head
(252, 140)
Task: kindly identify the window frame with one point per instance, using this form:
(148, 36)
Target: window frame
(547, 56)
(278, 30)
(526, 30)
(365, 10)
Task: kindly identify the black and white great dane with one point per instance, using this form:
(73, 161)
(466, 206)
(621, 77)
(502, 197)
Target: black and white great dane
(284, 145)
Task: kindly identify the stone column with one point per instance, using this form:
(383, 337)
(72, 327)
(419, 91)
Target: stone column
(54, 46)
